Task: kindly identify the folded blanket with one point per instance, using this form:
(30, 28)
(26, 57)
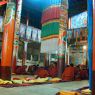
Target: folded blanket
(86, 91)
(67, 93)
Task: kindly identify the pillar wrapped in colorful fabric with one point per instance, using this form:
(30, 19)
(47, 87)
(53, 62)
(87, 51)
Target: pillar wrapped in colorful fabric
(54, 25)
(50, 18)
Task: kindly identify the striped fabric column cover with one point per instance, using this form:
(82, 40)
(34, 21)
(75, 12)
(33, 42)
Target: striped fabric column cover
(54, 25)
(50, 26)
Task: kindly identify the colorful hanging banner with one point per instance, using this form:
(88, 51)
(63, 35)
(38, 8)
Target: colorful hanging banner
(28, 32)
(22, 30)
(39, 35)
(34, 34)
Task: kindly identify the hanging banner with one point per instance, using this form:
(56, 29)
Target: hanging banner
(28, 32)
(22, 30)
(34, 34)
(39, 35)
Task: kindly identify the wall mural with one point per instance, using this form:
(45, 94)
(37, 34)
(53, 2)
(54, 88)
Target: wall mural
(77, 35)
(77, 58)
(1, 24)
(79, 20)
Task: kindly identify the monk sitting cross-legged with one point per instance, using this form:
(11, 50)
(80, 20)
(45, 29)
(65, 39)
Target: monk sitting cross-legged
(53, 70)
(68, 74)
(42, 73)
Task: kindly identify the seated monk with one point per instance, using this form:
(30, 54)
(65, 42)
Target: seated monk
(42, 73)
(53, 70)
(77, 73)
(32, 69)
(21, 70)
(83, 74)
(68, 74)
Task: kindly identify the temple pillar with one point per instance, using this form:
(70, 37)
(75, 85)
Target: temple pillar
(7, 43)
(16, 35)
(46, 63)
(62, 36)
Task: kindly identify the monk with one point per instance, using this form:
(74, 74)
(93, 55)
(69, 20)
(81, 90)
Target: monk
(32, 69)
(42, 73)
(53, 70)
(77, 73)
(68, 74)
(21, 70)
(83, 72)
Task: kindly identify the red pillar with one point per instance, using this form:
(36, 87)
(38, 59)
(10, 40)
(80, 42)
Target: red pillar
(3, 2)
(8, 37)
(16, 35)
(93, 73)
(62, 36)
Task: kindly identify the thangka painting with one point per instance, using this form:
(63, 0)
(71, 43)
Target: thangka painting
(22, 30)
(39, 35)
(79, 20)
(76, 58)
(34, 34)
(1, 24)
(69, 34)
(28, 32)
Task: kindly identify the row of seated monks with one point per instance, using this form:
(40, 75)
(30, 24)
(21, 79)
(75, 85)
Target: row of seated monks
(70, 73)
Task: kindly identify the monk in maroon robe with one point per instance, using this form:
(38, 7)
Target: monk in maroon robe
(53, 70)
(68, 74)
(42, 73)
